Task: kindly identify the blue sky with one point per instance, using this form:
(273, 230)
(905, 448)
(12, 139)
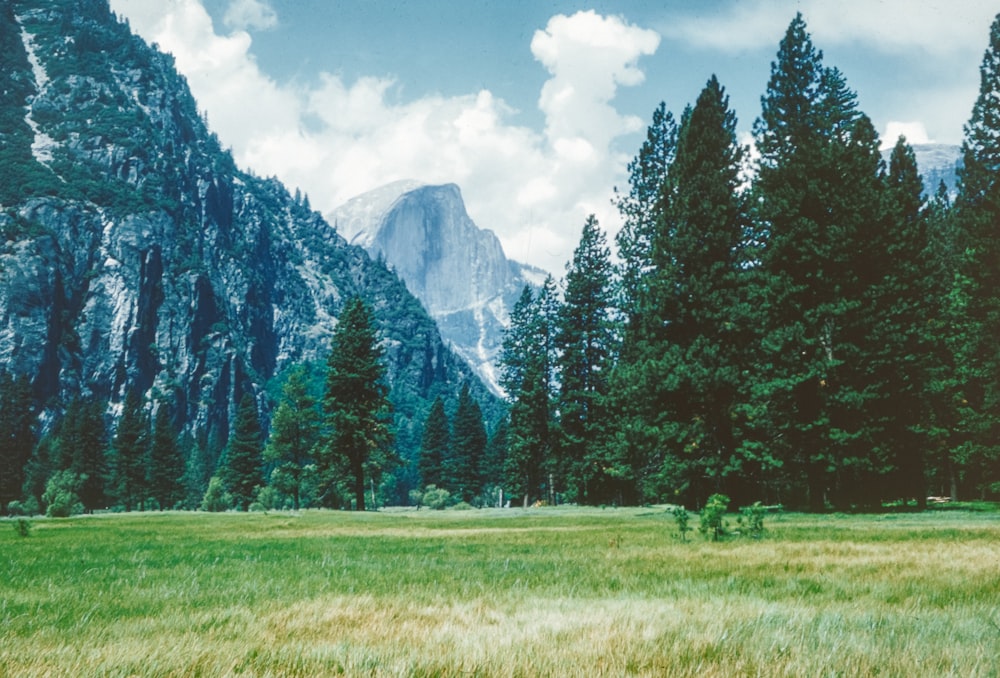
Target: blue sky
(532, 107)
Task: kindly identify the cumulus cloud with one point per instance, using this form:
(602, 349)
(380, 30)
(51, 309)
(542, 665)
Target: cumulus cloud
(915, 133)
(250, 14)
(533, 188)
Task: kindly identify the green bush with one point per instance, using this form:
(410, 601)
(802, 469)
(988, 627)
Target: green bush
(416, 498)
(436, 497)
(751, 518)
(23, 527)
(62, 494)
(28, 507)
(216, 498)
(681, 518)
(462, 506)
(712, 524)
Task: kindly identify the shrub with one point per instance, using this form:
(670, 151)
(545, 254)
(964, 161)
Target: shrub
(712, 524)
(752, 518)
(462, 506)
(62, 494)
(416, 498)
(22, 527)
(216, 498)
(28, 507)
(268, 498)
(436, 497)
(681, 518)
(256, 507)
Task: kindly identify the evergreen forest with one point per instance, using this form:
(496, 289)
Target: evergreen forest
(798, 324)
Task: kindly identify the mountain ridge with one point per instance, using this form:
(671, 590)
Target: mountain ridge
(136, 255)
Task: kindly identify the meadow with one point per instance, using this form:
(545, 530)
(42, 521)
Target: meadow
(538, 592)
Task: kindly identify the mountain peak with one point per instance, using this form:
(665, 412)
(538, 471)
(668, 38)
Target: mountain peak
(458, 270)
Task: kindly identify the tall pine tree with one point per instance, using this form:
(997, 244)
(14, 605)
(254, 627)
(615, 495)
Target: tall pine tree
(586, 341)
(241, 467)
(977, 215)
(816, 191)
(468, 445)
(295, 433)
(435, 445)
(166, 463)
(356, 404)
(16, 435)
(129, 454)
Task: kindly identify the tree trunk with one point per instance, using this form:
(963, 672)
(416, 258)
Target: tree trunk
(359, 486)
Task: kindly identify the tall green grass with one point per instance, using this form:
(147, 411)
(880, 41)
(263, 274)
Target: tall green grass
(499, 593)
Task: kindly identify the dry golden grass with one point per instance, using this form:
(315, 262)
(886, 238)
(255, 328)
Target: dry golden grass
(545, 592)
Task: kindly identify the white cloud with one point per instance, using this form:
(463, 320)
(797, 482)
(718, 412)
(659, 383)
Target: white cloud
(533, 189)
(915, 133)
(889, 25)
(250, 14)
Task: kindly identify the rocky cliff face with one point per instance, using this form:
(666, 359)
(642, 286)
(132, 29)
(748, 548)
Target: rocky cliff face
(135, 254)
(456, 269)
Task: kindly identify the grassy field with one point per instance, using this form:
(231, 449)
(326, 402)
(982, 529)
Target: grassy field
(551, 592)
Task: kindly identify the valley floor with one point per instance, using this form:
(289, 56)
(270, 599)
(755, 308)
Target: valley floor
(553, 591)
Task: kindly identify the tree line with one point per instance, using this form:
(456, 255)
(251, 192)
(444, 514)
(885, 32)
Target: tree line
(802, 327)
(319, 452)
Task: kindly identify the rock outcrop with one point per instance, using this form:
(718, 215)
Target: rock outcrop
(458, 271)
(135, 254)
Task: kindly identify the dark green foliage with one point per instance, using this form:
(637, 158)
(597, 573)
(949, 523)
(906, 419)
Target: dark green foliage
(80, 441)
(527, 363)
(241, 469)
(435, 445)
(166, 463)
(585, 339)
(22, 527)
(976, 338)
(129, 456)
(16, 435)
(295, 433)
(356, 405)
(462, 468)
(642, 209)
(818, 190)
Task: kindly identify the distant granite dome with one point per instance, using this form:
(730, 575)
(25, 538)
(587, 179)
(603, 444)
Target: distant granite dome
(458, 270)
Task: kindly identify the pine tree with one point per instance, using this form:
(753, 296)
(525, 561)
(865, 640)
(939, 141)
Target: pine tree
(241, 468)
(16, 435)
(642, 210)
(129, 454)
(701, 320)
(81, 449)
(435, 445)
(468, 445)
(356, 404)
(816, 191)
(901, 346)
(527, 368)
(166, 464)
(294, 435)
(977, 218)
(495, 457)
(585, 339)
